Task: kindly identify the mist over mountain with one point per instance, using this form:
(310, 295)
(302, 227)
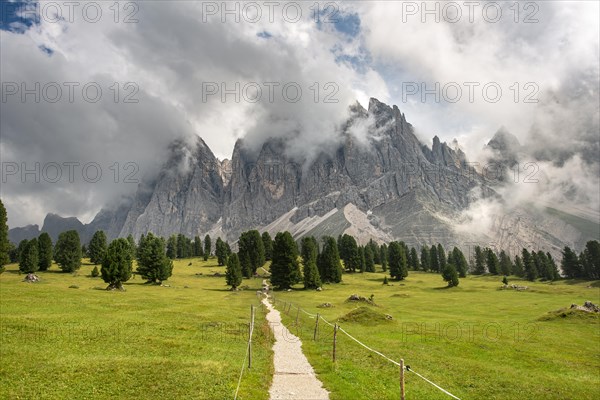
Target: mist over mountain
(378, 181)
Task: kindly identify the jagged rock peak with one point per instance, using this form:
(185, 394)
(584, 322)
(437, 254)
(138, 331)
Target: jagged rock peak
(503, 140)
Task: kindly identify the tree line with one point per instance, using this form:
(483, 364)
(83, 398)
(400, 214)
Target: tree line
(310, 261)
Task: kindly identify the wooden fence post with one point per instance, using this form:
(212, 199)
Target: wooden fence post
(250, 331)
(297, 315)
(402, 379)
(335, 328)
(316, 327)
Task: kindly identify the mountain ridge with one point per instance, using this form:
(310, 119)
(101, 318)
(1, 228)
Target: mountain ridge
(380, 173)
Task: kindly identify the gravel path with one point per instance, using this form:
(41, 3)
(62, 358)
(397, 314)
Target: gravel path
(294, 377)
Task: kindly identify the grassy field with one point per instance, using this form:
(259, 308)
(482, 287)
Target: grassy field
(476, 341)
(184, 341)
(188, 340)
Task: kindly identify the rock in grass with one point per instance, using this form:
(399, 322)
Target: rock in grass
(73, 287)
(30, 278)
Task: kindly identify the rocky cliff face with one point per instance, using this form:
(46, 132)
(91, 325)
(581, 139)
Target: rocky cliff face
(379, 183)
(187, 196)
(389, 167)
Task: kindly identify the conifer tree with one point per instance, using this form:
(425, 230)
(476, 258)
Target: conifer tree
(479, 261)
(29, 261)
(233, 272)
(285, 270)
(67, 252)
(4, 242)
(492, 263)
(425, 258)
(153, 263)
(369, 261)
(383, 257)
(312, 279)
(267, 245)
(97, 247)
(397, 261)
(450, 275)
(116, 264)
(329, 264)
(207, 247)
(45, 251)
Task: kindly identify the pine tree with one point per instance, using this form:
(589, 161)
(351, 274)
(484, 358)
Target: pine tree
(21, 249)
(312, 279)
(221, 252)
(267, 245)
(450, 275)
(518, 268)
(68, 251)
(153, 263)
(97, 247)
(4, 243)
(414, 258)
(198, 252)
(116, 264)
(132, 246)
(433, 259)
(329, 264)
(505, 280)
(590, 260)
(383, 257)
(492, 263)
(553, 267)
(425, 258)
(544, 266)
(251, 251)
(29, 261)
(479, 261)
(181, 251)
(505, 264)
(45, 251)
(570, 264)
(457, 258)
(361, 257)
(369, 261)
(441, 256)
(207, 247)
(172, 245)
(349, 253)
(397, 261)
(375, 251)
(95, 272)
(233, 272)
(531, 272)
(285, 270)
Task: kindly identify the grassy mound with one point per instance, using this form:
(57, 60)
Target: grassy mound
(364, 315)
(570, 313)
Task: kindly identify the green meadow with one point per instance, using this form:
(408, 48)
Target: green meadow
(182, 341)
(66, 337)
(474, 340)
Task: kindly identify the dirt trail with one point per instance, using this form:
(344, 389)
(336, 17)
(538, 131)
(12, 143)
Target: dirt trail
(294, 377)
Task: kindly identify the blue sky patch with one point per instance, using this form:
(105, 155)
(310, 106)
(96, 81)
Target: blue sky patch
(18, 16)
(264, 35)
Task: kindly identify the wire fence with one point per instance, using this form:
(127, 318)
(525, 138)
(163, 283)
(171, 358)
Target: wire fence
(287, 306)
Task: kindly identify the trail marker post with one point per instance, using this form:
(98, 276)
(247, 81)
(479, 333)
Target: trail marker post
(402, 379)
(335, 329)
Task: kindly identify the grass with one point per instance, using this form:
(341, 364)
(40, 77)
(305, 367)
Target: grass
(66, 337)
(474, 340)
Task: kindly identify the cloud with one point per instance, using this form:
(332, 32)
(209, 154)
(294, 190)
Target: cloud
(170, 57)
(180, 58)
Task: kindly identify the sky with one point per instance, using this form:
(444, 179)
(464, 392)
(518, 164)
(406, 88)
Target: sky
(94, 92)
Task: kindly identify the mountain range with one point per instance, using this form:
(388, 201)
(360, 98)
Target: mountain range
(382, 184)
